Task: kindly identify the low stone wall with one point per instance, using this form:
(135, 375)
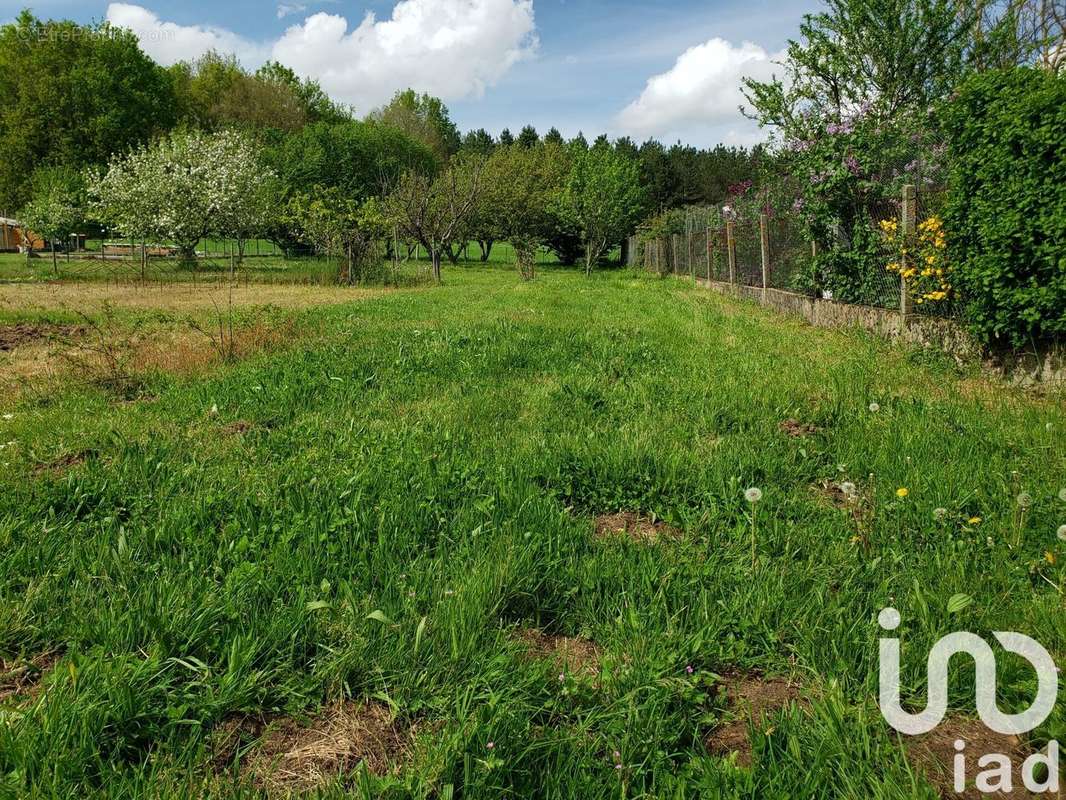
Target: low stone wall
(1025, 368)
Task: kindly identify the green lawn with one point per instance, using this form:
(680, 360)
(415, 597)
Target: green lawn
(385, 510)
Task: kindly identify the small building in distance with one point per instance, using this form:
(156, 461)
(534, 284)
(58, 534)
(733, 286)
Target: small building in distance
(14, 239)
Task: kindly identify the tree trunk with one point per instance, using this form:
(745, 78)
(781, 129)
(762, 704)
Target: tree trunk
(55, 264)
(486, 249)
(453, 256)
(349, 263)
(434, 254)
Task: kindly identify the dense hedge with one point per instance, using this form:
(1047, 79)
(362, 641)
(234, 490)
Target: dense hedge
(1007, 207)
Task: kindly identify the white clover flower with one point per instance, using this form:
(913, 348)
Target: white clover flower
(875, 407)
(940, 514)
(1025, 500)
(753, 495)
(9, 416)
(990, 542)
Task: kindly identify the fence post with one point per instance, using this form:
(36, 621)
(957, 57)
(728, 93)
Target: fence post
(691, 255)
(731, 250)
(764, 237)
(707, 253)
(907, 229)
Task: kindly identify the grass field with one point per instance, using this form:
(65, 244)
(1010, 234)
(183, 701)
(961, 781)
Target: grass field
(491, 540)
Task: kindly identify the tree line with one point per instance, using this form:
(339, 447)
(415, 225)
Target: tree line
(98, 133)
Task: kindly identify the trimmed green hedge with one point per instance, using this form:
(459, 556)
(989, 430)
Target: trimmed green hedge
(1006, 213)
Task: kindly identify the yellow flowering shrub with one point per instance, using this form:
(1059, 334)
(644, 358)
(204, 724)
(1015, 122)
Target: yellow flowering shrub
(920, 259)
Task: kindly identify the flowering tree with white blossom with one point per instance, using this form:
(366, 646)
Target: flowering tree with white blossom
(184, 187)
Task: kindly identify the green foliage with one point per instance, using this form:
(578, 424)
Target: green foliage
(357, 158)
(1006, 214)
(58, 206)
(519, 198)
(423, 118)
(73, 95)
(604, 199)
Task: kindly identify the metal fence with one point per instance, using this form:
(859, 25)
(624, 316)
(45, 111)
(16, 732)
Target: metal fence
(772, 250)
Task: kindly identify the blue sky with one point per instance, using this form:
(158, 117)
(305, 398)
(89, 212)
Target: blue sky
(664, 69)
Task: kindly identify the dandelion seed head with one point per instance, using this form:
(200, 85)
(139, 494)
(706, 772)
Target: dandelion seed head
(940, 514)
(1062, 495)
(1025, 500)
(753, 495)
(874, 408)
(1061, 533)
(849, 489)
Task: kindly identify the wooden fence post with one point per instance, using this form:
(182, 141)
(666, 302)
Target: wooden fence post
(731, 250)
(907, 225)
(707, 252)
(764, 238)
(691, 255)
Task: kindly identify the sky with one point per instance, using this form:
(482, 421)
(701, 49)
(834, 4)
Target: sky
(668, 70)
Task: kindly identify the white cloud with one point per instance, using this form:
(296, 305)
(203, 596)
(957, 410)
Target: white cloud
(168, 42)
(450, 48)
(288, 9)
(702, 89)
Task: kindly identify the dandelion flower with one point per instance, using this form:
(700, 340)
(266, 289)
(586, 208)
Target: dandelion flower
(1049, 557)
(902, 492)
(874, 407)
(753, 495)
(1025, 500)
(940, 514)
(975, 521)
(1062, 533)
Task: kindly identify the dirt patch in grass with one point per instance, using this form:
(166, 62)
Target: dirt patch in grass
(20, 679)
(572, 654)
(238, 428)
(20, 334)
(933, 755)
(634, 526)
(798, 430)
(284, 755)
(64, 463)
(747, 697)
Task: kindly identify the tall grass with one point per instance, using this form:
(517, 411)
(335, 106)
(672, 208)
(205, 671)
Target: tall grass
(420, 480)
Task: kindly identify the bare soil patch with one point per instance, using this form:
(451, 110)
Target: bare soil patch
(284, 755)
(20, 679)
(747, 697)
(634, 526)
(798, 430)
(64, 463)
(20, 334)
(570, 653)
(933, 755)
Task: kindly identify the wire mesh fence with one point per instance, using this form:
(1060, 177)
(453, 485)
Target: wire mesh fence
(772, 250)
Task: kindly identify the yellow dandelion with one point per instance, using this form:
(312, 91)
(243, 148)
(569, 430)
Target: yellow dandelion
(902, 492)
(975, 521)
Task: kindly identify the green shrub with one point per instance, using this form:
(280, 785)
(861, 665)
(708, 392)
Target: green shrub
(1006, 212)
